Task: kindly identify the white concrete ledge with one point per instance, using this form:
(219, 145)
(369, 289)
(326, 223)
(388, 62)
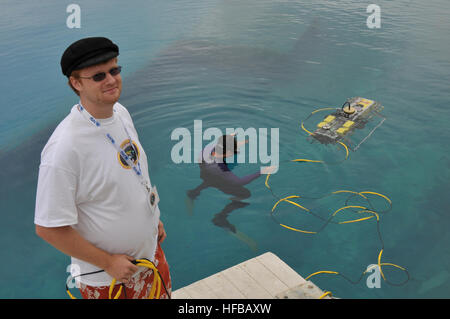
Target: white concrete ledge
(262, 277)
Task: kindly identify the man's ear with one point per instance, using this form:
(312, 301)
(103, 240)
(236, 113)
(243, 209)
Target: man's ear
(75, 83)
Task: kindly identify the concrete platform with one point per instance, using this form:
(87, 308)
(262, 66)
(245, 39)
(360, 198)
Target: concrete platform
(262, 277)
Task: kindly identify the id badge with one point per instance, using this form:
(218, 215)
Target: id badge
(153, 198)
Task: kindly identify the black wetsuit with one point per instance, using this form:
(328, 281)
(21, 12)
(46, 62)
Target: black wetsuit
(217, 174)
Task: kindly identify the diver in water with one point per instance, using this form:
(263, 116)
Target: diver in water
(216, 172)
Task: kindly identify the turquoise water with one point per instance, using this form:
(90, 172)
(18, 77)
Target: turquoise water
(261, 64)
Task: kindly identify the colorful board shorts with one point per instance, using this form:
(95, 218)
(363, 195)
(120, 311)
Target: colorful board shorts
(139, 286)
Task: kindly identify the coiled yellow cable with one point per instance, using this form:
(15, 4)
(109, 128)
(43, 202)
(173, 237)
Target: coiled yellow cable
(156, 286)
(362, 209)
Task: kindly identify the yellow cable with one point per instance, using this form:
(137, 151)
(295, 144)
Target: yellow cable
(70, 295)
(156, 278)
(298, 205)
(267, 181)
(373, 193)
(346, 207)
(326, 293)
(283, 199)
(111, 288)
(298, 230)
(315, 111)
(152, 291)
(346, 191)
(364, 218)
(323, 109)
(379, 265)
(397, 266)
(384, 264)
(364, 209)
(346, 148)
(322, 272)
(306, 160)
(156, 285)
(355, 220)
(303, 127)
(372, 212)
(317, 161)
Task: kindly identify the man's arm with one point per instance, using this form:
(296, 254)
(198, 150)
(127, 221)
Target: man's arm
(70, 242)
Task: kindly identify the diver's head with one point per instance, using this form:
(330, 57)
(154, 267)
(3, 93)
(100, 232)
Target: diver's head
(226, 146)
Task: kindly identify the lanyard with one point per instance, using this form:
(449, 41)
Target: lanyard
(136, 168)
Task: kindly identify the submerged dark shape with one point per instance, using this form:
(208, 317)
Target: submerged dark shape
(21, 162)
(184, 60)
(215, 172)
(190, 59)
(219, 176)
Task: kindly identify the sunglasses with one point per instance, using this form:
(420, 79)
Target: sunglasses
(102, 75)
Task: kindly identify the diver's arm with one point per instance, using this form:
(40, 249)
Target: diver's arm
(239, 143)
(249, 178)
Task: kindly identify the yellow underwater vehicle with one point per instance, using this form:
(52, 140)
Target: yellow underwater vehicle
(355, 114)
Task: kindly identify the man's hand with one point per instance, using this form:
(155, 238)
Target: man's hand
(121, 268)
(161, 232)
(70, 242)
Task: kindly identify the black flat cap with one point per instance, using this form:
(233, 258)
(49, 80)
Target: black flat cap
(87, 52)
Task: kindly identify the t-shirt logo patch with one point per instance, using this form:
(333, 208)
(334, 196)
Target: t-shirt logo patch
(131, 150)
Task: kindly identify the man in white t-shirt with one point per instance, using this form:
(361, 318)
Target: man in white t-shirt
(95, 201)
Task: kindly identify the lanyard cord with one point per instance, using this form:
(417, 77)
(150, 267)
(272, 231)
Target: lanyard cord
(136, 168)
(138, 172)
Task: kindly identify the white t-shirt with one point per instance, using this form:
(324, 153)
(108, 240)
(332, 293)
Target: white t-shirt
(83, 182)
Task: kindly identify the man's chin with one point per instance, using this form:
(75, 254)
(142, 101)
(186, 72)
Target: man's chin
(111, 98)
